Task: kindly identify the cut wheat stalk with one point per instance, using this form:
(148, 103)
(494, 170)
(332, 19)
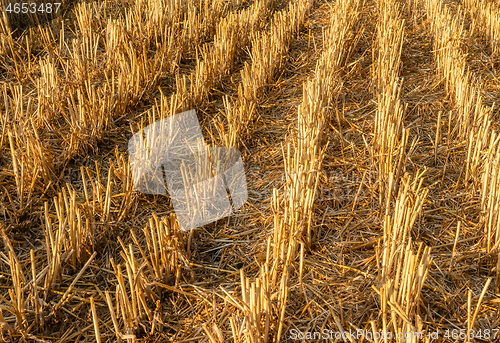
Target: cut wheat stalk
(95, 320)
(256, 306)
(65, 296)
(38, 314)
(109, 301)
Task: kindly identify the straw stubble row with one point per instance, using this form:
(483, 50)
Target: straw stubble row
(218, 58)
(302, 162)
(268, 52)
(400, 277)
(390, 137)
(74, 224)
(402, 272)
(157, 268)
(293, 214)
(72, 110)
(128, 56)
(472, 117)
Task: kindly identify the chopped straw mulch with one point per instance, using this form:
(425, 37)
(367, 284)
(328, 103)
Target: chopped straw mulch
(368, 132)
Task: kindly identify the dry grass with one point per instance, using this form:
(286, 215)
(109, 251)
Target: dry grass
(369, 138)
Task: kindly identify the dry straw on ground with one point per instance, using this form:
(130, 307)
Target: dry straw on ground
(368, 131)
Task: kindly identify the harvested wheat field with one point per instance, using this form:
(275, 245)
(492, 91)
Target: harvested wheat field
(368, 131)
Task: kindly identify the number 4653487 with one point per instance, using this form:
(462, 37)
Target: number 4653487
(26, 7)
